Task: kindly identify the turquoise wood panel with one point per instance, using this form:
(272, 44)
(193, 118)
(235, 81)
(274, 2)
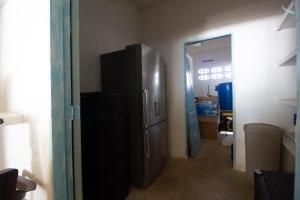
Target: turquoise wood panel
(192, 127)
(57, 97)
(297, 167)
(76, 99)
(68, 98)
(61, 96)
(194, 134)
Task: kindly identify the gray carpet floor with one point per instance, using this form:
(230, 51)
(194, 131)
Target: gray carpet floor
(209, 176)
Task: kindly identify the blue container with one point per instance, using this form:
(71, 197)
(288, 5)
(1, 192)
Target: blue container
(225, 95)
(207, 108)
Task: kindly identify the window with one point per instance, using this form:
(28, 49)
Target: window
(227, 68)
(203, 77)
(215, 73)
(228, 75)
(203, 71)
(217, 76)
(216, 70)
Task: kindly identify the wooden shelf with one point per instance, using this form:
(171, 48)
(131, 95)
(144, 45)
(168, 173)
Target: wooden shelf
(288, 20)
(289, 102)
(289, 144)
(289, 60)
(11, 118)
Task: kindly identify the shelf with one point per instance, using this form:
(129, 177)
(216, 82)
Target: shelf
(10, 118)
(289, 102)
(288, 20)
(289, 143)
(289, 60)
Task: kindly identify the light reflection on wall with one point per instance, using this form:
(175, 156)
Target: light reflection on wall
(156, 79)
(25, 88)
(189, 81)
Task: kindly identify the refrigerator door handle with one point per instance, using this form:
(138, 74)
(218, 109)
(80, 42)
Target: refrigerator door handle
(147, 146)
(156, 106)
(146, 107)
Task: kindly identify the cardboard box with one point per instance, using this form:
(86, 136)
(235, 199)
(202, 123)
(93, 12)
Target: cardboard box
(204, 98)
(208, 119)
(208, 127)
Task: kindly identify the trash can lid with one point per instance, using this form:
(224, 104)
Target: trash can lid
(261, 127)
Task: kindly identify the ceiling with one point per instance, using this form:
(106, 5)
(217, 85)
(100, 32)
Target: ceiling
(143, 3)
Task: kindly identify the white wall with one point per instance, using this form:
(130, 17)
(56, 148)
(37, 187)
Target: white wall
(221, 57)
(257, 48)
(25, 88)
(105, 26)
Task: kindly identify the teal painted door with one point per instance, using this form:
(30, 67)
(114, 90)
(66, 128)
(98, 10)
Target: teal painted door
(61, 101)
(297, 167)
(65, 96)
(192, 129)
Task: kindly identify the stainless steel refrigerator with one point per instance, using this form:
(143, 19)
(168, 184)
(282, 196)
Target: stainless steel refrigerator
(139, 71)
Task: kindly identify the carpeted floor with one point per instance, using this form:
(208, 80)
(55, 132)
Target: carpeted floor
(208, 177)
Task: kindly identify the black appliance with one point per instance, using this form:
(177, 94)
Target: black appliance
(270, 185)
(104, 136)
(139, 71)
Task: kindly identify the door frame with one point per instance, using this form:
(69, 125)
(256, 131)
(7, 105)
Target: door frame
(65, 100)
(297, 163)
(201, 39)
(75, 48)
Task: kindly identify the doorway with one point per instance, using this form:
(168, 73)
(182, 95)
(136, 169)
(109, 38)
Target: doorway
(209, 91)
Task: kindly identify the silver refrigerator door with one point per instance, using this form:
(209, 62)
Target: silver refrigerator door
(153, 83)
(154, 113)
(155, 151)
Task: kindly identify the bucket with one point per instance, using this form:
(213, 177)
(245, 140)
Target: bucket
(225, 95)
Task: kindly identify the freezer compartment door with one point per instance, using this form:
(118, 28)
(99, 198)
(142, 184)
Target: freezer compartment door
(155, 151)
(153, 83)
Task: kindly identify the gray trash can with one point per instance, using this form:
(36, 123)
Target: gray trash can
(263, 142)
